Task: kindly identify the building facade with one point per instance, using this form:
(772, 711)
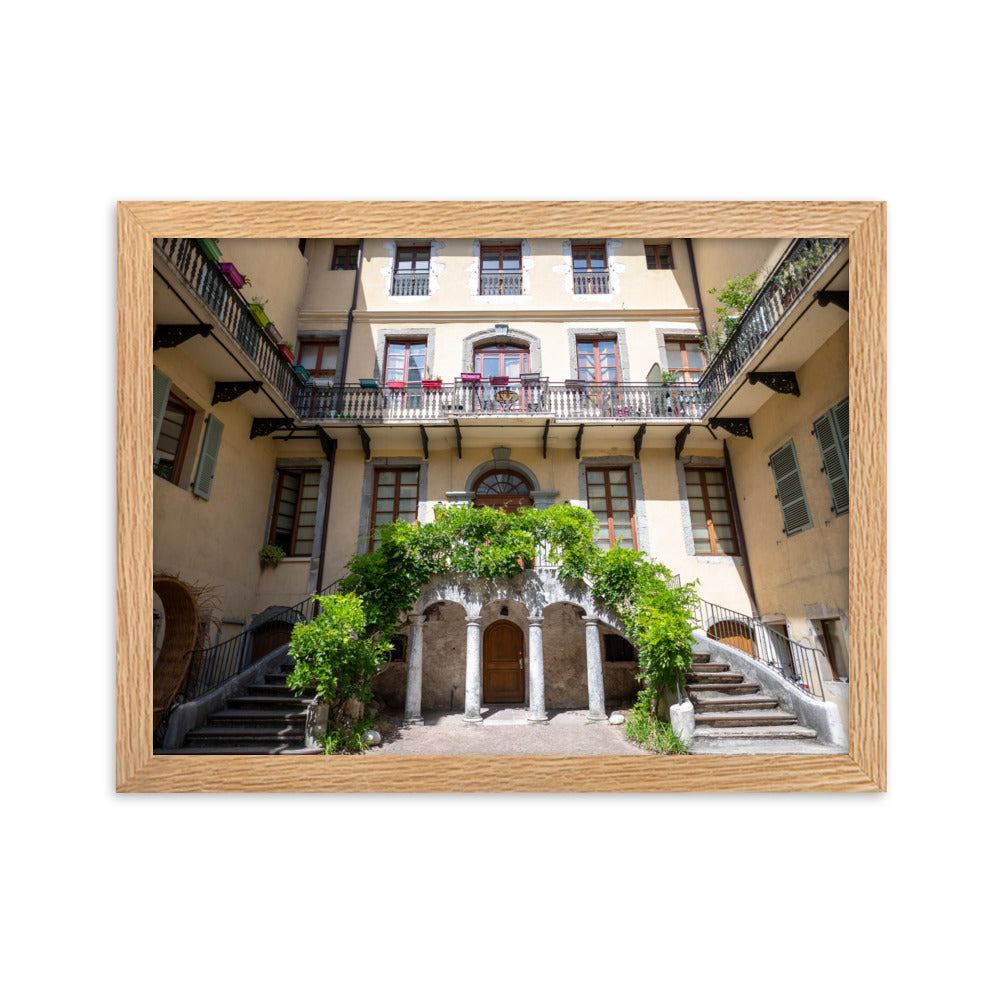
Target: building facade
(308, 391)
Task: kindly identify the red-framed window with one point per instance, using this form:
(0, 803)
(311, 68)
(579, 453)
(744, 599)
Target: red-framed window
(597, 360)
(500, 270)
(172, 441)
(296, 502)
(395, 499)
(590, 257)
(413, 267)
(319, 357)
(405, 360)
(659, 257)
(711, 512)
(686, 358)
(502, 359)
(345, 257)
(609, 497)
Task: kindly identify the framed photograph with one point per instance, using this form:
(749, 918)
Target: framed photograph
(707, 379)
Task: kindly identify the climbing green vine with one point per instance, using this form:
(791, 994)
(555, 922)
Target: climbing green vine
(381, 587)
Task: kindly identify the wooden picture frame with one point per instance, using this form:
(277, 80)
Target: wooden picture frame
(863, 768)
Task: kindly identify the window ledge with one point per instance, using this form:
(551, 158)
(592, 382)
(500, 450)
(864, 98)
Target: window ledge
(720, 560)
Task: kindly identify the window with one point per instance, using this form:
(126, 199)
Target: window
(502, 359)
(500, 270)
(597, 360)
(833, 436)
(413, 267)
(345, 257)
(171, 442)
(296, 501)
(590, 268)
(405, 360)
(711, 512)
(791, 493)
(609, 497)
(685, 358)
(507, 490)
(319, 357)
(617, 647)
(659, 257)
(396, 492)
(834, 647)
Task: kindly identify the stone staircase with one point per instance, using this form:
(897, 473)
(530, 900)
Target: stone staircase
(267, 719)
(728, 707)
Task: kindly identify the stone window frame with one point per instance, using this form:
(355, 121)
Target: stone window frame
(415, 334)
(424, 512)
(575, 333)
(435, 267)
(308, 464)
(701, 462)
(614, 267)
(501, 334)
(634, 467)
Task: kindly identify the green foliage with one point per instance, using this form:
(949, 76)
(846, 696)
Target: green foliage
(645, 728)
(341, 650)
(733, 299)
(270, 555)
(351, 738)
(335, 652)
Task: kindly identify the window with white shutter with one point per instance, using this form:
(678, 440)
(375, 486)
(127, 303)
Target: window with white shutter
(832, 435)
(791, 493)
(202, 486)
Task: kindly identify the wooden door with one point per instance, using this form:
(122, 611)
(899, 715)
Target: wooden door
(503, 663)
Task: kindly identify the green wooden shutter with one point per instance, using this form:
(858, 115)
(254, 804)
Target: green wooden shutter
(791, 494)
(161, 394)
(202, 486)
(841, 421)
(834, 455)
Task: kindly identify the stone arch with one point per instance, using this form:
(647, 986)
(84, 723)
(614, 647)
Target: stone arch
(181, 616)
(501, 335)
(500, 463)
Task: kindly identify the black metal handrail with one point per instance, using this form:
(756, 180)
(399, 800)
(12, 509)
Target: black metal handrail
(775, 297)
(205, 278)
(793, 661)
(374, 402)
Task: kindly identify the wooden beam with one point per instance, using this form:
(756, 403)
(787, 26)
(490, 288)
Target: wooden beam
(423, 439)
(545, 439)
(579, 440)
(458, 436)
(366, 442)
(637, 440)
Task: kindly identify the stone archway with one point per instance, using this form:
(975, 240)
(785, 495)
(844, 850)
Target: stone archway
(180, 635)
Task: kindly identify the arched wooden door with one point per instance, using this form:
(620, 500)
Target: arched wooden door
(503, 663)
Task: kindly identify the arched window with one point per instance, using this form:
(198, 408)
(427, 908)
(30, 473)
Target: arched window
(502, 359)
(506, 489)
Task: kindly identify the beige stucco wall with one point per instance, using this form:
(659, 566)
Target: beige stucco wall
(809, 569)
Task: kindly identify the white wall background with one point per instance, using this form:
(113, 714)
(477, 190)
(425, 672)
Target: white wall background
(101, 106)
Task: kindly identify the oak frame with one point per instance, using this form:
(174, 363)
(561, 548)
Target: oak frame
(863, 768)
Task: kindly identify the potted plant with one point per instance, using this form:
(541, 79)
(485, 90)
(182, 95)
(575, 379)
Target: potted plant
(272, 332)
(257, 311)
(530, 376)
(302, 372)
(396, 386)
(210, 248)
(471, 377)
(499, 379)
(271, 555)
(232, 275)
(285, 350)
(431, 381)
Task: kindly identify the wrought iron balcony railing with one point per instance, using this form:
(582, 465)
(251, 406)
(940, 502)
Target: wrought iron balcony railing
(588, 401)
(592, 282)
(801, 263)
(500, 284)
(230, 309)
(410, 284)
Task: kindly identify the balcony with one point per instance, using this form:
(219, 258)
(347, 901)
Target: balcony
(229, 310)
(410, 284)
(500, 284)
(591, 282)
(779, 296)
(517, 399)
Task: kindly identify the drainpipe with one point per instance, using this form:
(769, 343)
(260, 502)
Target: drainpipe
(697, 288)
(326, 517)
(738, 523)
(350, 323)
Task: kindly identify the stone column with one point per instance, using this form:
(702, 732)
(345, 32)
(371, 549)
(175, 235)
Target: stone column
(415, 672)
(536, 668)
(595, 676)
(473, 671)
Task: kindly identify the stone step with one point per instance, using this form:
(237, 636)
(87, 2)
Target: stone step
(720, 677)
(709, 667)
(274, 690)
(753, 717)
(701, 657)
(719, 701)
(243, 748)
(257, 717)
(790, 732)
(246, 734)
(286, 702)
(730, 688)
